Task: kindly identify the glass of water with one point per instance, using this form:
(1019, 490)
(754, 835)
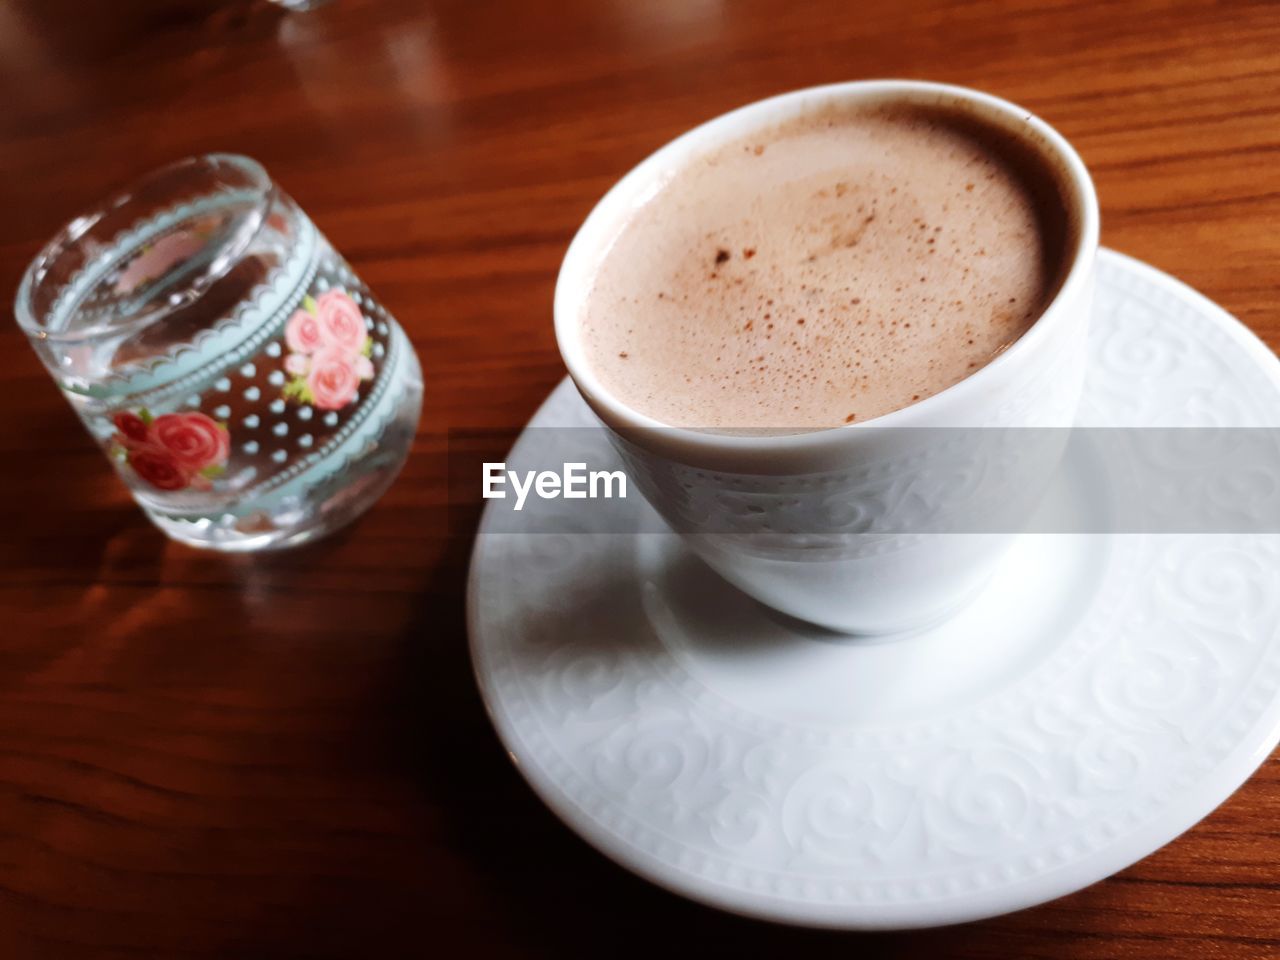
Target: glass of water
(247, 386)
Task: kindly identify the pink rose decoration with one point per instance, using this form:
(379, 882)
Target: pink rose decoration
(332, 380)
(133, 429)
(194, 440)
(157, 259)
(327, 341)
(174, 451)
(157, 467)
(302, 333)
(341, 322)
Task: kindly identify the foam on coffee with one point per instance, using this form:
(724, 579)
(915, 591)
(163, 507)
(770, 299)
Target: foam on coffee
(829, 270)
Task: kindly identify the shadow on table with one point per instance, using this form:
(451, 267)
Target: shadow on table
(529, 885)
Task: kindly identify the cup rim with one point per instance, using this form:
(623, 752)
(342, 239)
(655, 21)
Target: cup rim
(642, 181)
(70, 233)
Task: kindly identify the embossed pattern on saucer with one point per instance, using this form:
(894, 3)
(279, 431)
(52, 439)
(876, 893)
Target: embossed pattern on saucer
(1104, 694)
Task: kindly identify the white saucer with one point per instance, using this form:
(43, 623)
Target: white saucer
(1101, 696)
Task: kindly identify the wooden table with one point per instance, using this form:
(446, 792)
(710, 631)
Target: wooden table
(286, 755)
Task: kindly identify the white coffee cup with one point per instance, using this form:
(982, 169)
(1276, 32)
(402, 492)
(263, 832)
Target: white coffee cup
(848, 527)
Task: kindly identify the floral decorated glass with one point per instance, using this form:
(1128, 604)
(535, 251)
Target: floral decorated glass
(248, 387)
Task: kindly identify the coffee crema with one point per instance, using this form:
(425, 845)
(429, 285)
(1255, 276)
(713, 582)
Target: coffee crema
(827, 270)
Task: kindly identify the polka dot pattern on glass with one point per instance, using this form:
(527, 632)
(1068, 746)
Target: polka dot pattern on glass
(267, 406)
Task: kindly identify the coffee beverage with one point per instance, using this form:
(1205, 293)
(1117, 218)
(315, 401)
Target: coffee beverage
(828, 254)
(827, 270)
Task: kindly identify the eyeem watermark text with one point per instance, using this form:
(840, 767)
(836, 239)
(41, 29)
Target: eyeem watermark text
(574, 482)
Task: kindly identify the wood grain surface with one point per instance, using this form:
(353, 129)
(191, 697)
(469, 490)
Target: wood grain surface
(286, 755)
